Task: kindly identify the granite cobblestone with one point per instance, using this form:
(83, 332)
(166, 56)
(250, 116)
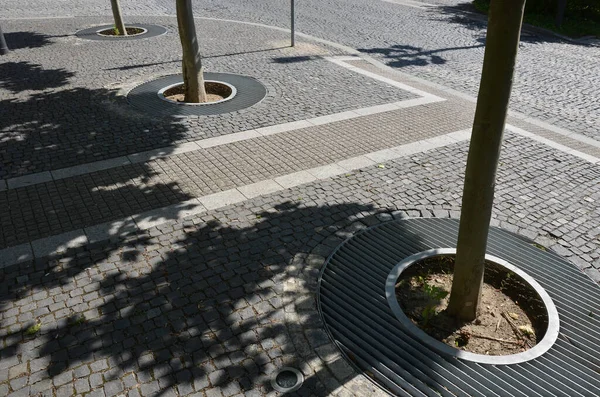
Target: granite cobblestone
(85, 117)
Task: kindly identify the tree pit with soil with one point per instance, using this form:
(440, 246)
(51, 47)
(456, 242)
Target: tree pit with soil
(511, 318)
(114, 32)
(215, 92)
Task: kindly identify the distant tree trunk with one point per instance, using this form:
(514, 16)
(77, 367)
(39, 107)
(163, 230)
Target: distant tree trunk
(116, 10)
(3, 47)
(561, 5)
(502, 43)
(193, 73)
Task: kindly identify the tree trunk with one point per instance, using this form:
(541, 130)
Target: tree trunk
(119, 25)
(3, 47)
(193, 74)
(561, 5)
(504, 29)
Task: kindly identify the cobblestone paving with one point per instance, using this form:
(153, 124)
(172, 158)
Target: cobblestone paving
(60, 106)
(214, 303)
(556, 81)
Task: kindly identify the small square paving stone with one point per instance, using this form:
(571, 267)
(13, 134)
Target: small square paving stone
(23, 392)
(213, 392)
(113, 388)
(82, 386)
(148, 389)
(134, 393)
(65, 391)
(317, 337)
(17, 370)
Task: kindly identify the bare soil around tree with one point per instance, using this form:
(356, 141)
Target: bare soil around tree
(511, 318)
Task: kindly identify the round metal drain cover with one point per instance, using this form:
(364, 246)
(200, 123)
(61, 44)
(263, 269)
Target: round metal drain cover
(150, 31)
(144, 97)
(287, 380)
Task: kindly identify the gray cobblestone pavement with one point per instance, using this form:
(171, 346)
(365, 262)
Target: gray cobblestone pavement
(214, 303)
(60, 108)
(556, 81)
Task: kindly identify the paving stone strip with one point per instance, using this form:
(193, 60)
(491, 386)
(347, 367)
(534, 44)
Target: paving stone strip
(561, 136)
(55, 207)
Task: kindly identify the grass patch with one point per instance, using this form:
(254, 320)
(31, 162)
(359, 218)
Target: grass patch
(575, 25)
(34, 329)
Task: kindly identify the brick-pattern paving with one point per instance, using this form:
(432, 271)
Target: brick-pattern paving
(212, 304)
(54, 207)
(555, 81)
(591, 148)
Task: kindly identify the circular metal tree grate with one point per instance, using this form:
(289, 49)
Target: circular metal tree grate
(150, 31)
(248, 92)
(353, 304)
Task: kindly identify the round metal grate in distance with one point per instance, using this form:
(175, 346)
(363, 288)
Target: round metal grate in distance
(149, 31)
(144, 97)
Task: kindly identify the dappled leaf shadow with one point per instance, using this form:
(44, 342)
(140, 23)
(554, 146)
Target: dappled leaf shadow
(399, 55)
(207, 300)
(76, 125)
(18, 40)
(61, 127)
(22, 76)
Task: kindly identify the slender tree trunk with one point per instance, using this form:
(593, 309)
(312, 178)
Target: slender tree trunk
(504, 29)
(193, 73)
(561, 5)
(116, 9)
(3, 47)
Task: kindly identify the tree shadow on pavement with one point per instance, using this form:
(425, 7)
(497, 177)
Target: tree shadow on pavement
(209, 300)
(202, 306)
(19, 40)
(50, 126)
(66, 126)
(400, 55)
(466, 15)
(23, 76)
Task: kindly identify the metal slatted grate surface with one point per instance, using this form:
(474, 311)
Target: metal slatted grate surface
(145, 96)
(353, 304)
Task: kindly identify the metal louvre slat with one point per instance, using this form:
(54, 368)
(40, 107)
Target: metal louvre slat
(354, 308)
(390, 341)
(384, 320)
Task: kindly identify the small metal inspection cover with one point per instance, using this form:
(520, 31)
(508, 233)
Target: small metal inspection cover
(287, 380)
